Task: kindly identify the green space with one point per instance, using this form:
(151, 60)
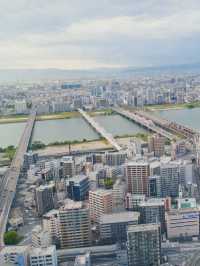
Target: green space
(9, 152)
(12, 238)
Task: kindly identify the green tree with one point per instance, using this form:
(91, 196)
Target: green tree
(11, 238)
(108, 183)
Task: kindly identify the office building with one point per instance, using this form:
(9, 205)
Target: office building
(100, 202)
(169, 178)
(74, 225)
(43, 256)
(144, 245)
(78, 188)
(182, 223)
(137, 176)
(113, 226)
(154, 188)
(44, 198)
(115, 158)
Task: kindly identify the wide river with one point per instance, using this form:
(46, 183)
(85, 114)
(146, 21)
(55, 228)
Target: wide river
(67, 129)
(187, 117)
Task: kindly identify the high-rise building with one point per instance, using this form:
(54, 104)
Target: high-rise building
(153, 211)
(51, 224)
(68, 166)
(154, 186)
(44, 198)
(78, 188)
(29, 159)
(156, 144)
(100, 202)
(169, 178)
(119, 192)
(137, 175)
(43, 256)
(74, 224)
(144, 245)
(113, 226)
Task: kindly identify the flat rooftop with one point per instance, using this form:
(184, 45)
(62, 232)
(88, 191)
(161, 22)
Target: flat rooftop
(119, 217)
(142, 227)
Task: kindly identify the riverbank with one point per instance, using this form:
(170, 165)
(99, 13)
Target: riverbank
(97, 145)
(165, 107)
(55, 116)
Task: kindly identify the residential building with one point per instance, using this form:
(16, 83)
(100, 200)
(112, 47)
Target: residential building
(74, 225)
(137, 176)
(100, 202)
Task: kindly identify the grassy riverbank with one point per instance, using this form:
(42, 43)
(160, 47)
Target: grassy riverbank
(65, 115)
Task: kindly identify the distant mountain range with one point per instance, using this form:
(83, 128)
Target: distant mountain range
(25, 75)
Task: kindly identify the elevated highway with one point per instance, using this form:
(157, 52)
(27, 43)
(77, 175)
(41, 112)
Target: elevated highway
(9, 182)
(144, 122)
(100, 130)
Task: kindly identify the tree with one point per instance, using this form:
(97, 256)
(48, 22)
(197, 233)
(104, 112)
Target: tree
(108, 183)
(11, 238)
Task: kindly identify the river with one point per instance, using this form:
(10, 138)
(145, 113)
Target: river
(68, 129)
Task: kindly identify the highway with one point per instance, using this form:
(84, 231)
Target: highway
(9, 182)
(147, 123)
(100, 130)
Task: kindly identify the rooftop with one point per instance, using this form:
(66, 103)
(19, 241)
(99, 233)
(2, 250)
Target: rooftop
(119, 217)
(142, 227)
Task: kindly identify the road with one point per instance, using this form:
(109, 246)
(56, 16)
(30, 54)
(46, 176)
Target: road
(9, 182)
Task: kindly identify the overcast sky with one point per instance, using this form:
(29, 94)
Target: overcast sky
(98, 33)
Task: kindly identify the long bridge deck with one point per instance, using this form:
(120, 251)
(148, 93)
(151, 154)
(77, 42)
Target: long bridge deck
(100, 130)
(144, 122)
(9, 182)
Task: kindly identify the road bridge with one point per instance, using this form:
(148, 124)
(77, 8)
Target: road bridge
(9, 182)
(100, 130)
(172, 126)
(144, 122)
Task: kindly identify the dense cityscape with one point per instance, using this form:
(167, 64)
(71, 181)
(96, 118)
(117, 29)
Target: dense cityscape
(133, 203)
(99, 133)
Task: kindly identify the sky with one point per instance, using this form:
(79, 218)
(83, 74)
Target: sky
(84, 34)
